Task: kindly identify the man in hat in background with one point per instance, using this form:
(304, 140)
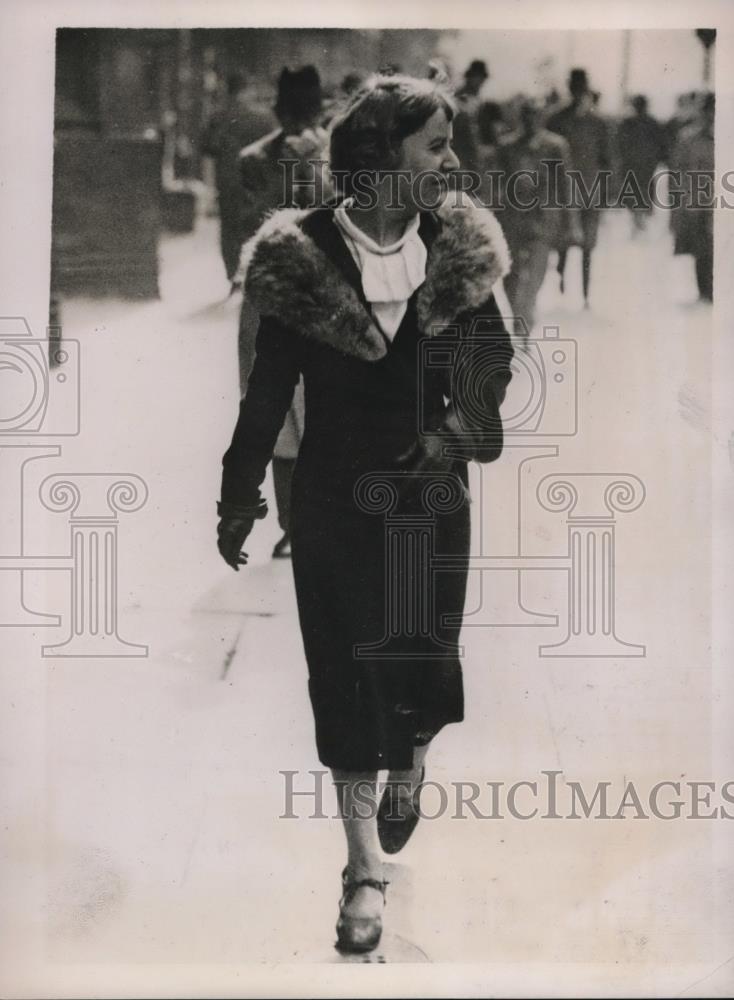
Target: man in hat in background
(267, 183)
(530, 153)
(264, 184)
(237, 124)
(466, 139)
(588, 138)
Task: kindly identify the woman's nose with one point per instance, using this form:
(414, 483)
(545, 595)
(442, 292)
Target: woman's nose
(451, 161)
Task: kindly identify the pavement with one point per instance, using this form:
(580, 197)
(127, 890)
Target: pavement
(144, 833)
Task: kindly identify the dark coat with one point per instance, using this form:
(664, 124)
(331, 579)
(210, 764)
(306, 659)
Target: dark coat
(538, 153)
(693, 228)
(588, 139)
(226, 134)
(365, 403)
(640, 147)
(264, 186)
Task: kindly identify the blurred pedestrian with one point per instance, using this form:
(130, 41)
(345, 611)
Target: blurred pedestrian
(468, 100)
(265, 180)
(490, 127)
(640, 148)
(276, 172)
(533, 163)
(588, 138)
(693, 222)
(686, 111)
(238, 123)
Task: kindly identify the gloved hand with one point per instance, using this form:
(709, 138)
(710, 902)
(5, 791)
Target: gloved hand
(435, 452)
(231, 535)
(234, 526)
(425, 457)
(476, 442)
(426, 454)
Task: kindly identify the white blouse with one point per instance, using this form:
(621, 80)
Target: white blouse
(390, 274)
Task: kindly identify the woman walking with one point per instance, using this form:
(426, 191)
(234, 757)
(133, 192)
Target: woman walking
(348, 297)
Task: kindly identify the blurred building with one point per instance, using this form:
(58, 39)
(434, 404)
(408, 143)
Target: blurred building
(111, 87)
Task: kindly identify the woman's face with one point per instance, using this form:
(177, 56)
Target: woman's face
(428, 152)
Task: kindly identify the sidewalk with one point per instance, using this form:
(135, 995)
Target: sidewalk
(162, 788)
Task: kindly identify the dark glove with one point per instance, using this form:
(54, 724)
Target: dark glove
(426, 456)
(436, 451)
(235, 525)
(479, 443)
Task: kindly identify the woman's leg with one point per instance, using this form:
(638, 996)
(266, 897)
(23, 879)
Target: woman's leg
(704, 258)
(409, 779)
(400, 805)
(357, 797)
(586, 273)
(561, 267)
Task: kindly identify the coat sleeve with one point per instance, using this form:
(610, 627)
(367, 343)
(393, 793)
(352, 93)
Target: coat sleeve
(479, 380)
(270, 388)
(256, 191)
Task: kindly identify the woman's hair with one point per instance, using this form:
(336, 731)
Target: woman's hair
(368, 133)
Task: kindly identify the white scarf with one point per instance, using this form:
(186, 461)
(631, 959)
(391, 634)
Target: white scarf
(390, 274)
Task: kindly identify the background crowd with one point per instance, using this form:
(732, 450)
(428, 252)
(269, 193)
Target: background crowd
(247, 139)
(248, 142)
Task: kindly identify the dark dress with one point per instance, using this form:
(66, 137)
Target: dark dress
(384, 666)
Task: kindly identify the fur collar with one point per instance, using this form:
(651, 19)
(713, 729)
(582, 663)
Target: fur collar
(287, 276)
